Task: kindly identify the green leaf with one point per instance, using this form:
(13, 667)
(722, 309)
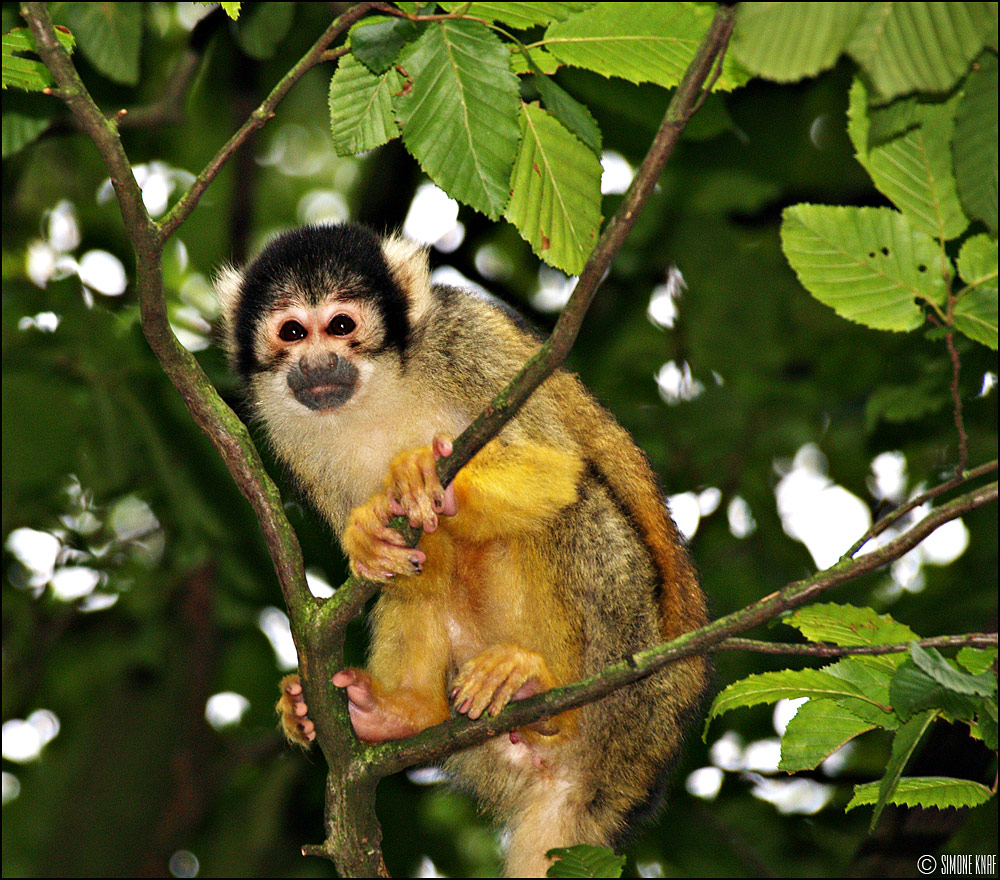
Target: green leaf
(584, 860)
(913, 690)
(19, 130)
(904, 743)
(817, 730)
(264, 26)
(913, 169)
(231, 9)
(911, 47)
(869, 265)
(361, 107)
(786, 684)
(555, 192)
(975, 144)
(849, 626)
(986, 724)
(570, 112)
(520, 15)
(975, 313)
(541, 60)
(899, 404)
(459, 110)
(871, 675)
(376, 42)
(640, 42)
(939, 792)
(937, 667)
(28, 74)
(888, 121)
(977, 660)
(790, 41)
(109, 34)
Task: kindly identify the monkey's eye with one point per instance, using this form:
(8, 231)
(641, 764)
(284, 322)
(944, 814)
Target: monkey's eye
(341, 325)
(291, 331)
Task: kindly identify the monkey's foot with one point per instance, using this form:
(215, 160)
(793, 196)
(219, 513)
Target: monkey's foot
(500, 674)
(378, 715)
(293, 712)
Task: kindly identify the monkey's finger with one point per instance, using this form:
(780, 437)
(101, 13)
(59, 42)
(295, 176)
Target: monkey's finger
(478, 693)
(442, 446)
(506, 691)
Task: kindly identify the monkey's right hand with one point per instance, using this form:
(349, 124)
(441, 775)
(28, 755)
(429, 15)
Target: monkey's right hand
(412, 489)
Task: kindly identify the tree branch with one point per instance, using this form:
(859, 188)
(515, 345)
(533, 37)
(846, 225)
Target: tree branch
(437, 742)
(226, 432)
(917, 500)
(315, 55)
(822, 649)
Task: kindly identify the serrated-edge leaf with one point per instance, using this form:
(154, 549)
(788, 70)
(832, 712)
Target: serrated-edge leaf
(910, 47)
(904, 743)
(769, 687)
(377, 41)
(849, 625)
(912, 691)
(870, 265)
(639, 42)
(555, 192)
(975, 142)
(570, 112)
(937, 667)
(977, 261)
(361, 116)
(520, 15)
(585, 860)
(939, 792)
(976, 660)
(975, 312)
(28, 74)
(913, 169)
(789, 41)
(25, 74)
(541, 60)
(459, 112)
(263, 27)
(109, 35)
(816, 731)
(19, 130)
(871, 675)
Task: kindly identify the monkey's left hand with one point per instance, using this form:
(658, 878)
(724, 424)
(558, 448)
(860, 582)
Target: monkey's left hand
(412, 489)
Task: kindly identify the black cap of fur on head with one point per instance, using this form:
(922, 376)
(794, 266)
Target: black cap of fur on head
(315, 262)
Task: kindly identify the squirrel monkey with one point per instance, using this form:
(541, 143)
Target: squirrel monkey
(550, 556)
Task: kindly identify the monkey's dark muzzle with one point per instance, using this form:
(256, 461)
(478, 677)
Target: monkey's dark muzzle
(323, 386)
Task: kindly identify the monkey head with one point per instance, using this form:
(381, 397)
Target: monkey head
(321, 316)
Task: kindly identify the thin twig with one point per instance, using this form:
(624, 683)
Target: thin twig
(821, 649)
(315, 55)
(918, 500)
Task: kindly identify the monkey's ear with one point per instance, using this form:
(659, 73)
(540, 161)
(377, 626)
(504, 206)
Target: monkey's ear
(409, 266)
(227, 283)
